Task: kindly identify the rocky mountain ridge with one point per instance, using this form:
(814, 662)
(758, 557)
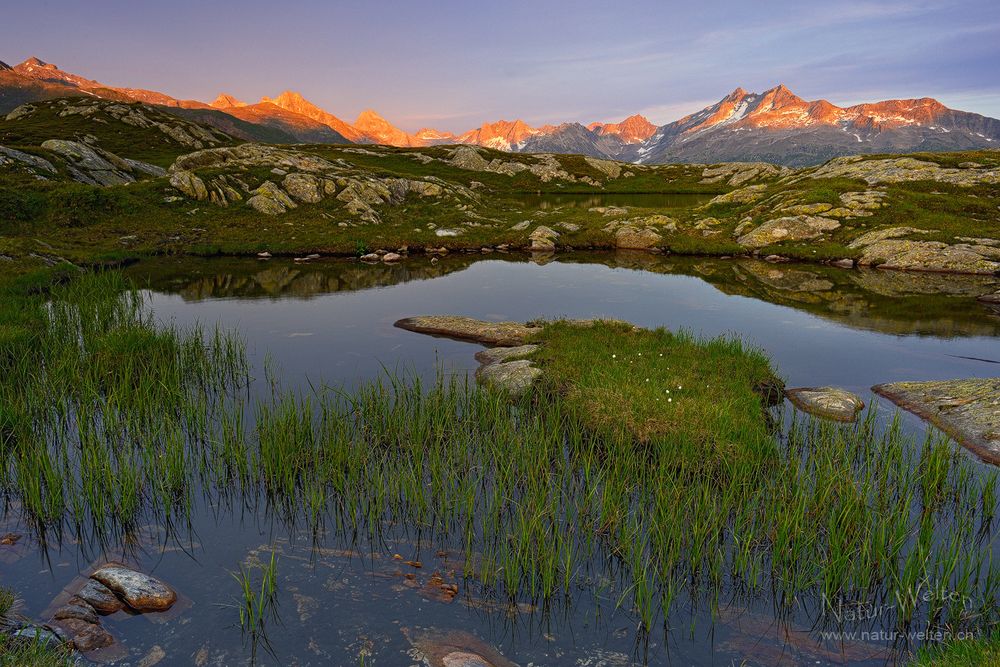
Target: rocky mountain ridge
(774, 126)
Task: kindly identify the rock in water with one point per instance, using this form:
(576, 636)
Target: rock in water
(76, 608)
(967, 410)
(100, 597)
(468, 328)
(496, 355)
(454, 648)
(829, 402)
(514, 377)
(139, 591)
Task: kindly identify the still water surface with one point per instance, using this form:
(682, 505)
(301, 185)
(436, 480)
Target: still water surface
(332, 322)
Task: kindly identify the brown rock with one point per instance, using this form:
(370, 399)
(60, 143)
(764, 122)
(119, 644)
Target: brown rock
(100, 597)
(139, 591)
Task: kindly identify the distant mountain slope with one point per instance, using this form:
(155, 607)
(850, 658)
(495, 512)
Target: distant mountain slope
(774, 126)
(778, 126)
(301, 128)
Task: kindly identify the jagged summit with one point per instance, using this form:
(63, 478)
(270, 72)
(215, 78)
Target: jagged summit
(226, 101)
(775, 125)
(634, 129)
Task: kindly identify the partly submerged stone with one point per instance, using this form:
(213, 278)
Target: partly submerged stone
(514, 377)
(100, 597)
(496, 355)
(454, 648)
(86, 636)
(829, 402)
(141, 592)
(468, 328)
(967, 410)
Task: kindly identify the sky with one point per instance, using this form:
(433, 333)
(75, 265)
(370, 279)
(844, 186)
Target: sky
(454, 64)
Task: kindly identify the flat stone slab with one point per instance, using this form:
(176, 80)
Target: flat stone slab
(467, 328)
(967, 410)
(514, 377)
(496, 355)
(829, 402)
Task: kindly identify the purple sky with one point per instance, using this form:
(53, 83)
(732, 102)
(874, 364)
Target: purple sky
(454, 64)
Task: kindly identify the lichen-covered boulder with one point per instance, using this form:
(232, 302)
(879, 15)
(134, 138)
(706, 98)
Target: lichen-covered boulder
(305, 188)
(636, 238)
(789, 228)
(543, 238)
(189, 184)
(270, 199)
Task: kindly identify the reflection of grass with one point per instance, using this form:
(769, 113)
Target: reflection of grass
(686, 491)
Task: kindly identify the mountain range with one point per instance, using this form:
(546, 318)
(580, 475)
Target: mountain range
(774, 126)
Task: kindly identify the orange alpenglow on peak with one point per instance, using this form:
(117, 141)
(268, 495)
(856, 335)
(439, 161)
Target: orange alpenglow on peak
(292, 101)
(634, 129)
(780, 108)
(380, 131)
(225, 101)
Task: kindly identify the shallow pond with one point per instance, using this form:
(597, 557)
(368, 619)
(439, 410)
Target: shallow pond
(345, 601)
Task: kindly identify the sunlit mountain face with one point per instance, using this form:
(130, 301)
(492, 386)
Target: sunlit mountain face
(775, 126)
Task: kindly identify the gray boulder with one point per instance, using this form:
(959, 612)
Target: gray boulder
(830, 402)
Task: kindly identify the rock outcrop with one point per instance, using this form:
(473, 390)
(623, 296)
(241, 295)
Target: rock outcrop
(902, 170)
(471, 329)
(967, 410)
(93, 166)
(886, 248)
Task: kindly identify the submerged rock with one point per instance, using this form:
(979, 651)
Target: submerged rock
(141, 592)
(967, 410)
(454, 648)
(829, 402)
(468, 328)
(514, 377)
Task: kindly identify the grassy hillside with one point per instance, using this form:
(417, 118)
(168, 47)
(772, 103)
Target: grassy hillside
(941, 209)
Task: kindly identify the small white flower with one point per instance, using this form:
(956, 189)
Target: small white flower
(670, 400)
(678, 386)
(614, 356)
